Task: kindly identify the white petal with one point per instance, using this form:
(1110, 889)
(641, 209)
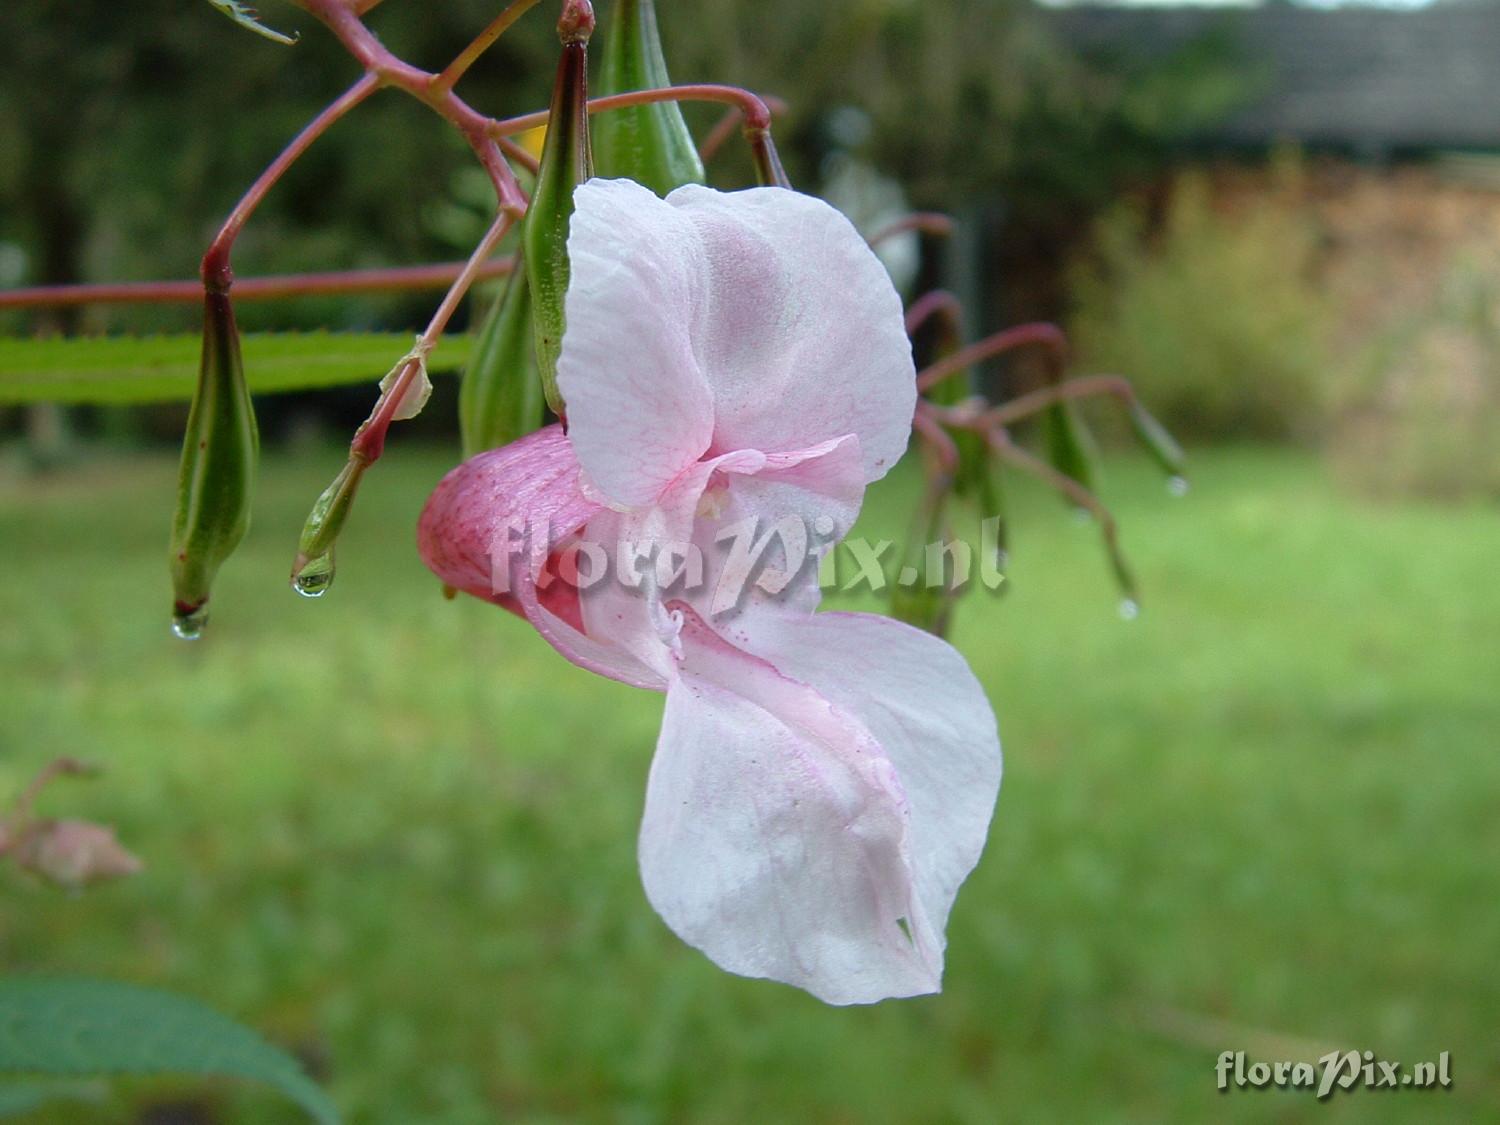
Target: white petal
(755, 524)
(710, 322)
(801, 336)
(775, 834)
(916, 695)
(639, 410)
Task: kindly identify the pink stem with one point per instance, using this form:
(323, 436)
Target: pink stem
(389, 70)
(1012, 453)
(757, 114)
(1038, 400)
(937, 438)
(1047, 336)
(1007, 451)
(928, 222)
(15, 820)
(369, 441)
(519, 155)
(724, 128)
(938, 302)
(250, 288)
(482, 43)
(216, 273)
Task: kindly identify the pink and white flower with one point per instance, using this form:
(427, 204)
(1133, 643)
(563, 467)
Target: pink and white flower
(823, 782)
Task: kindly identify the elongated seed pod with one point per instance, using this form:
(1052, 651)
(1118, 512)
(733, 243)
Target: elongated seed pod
(216, 479)
(649, 143)
(566, 162)
(1158, 441)
(500, 398)
(1070, 445)
(920, 596)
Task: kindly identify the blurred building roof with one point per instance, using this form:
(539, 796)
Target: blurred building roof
(1370, 80)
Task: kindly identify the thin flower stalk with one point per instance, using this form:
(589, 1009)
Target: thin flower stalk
(272, 287)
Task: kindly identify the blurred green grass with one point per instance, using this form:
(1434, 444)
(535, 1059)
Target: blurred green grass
(398, 833)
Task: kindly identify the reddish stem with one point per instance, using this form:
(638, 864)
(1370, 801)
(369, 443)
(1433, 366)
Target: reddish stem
(389, 70)
(1046, 336)
(928, 222)
(1013, 454)
(269, 288)
(369, 441)
(944, 448)
(756, 113)
(481, 43)
(724, 128)
(15, 821)
(216, 273)
(1038, 400)
(937, 302)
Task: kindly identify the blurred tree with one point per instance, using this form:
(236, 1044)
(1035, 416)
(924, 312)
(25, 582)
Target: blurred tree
(980, 107)
(130, 130)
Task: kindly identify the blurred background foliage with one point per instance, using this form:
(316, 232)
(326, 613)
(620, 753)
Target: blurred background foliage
(111, 110)
(1218, 320)
(1099, 176)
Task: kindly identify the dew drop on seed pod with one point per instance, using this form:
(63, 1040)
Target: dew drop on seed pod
(1130, 609)
(1177, 486)
(189, 626)
(314, 577)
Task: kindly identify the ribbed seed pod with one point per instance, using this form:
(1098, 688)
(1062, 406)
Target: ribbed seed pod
(566, 162)
(500, 398)
(649, 143)
(216, 479)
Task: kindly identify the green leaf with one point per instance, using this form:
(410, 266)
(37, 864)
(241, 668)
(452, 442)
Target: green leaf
(246, 18)
(134, 369)
(70, 1027)
(24, 1096)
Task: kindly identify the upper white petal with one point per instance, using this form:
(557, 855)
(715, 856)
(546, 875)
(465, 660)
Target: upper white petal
(710, 322)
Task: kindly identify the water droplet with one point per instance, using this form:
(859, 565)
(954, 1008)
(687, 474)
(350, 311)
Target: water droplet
(1177, 486)
(189, 626)
(1130, 609)
(314, 576)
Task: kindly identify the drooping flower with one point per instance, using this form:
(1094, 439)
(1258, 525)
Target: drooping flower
(823, 782)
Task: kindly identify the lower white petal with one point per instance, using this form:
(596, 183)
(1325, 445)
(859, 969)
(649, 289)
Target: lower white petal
(915, 693)
(776, 834)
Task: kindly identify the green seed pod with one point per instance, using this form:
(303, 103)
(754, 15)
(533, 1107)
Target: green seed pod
(500, 398)
(1070, 446)
(567, 161)
(217, 475)
(650, 143)
(1159, 443)
(989, 493)
(312, 572)
(915, 598)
